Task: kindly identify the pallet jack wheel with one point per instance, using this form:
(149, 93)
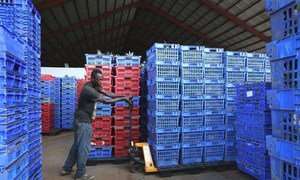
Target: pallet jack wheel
(135, 166)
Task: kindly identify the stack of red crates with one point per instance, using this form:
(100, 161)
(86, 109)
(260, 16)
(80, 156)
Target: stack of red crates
(80, 83)
(127, 82)
(102, 125)
(47, 96)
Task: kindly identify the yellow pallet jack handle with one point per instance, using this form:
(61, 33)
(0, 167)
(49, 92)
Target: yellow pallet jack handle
(149, 164)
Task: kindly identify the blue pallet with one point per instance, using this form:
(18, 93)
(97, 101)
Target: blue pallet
(281, 169)
(284, 99)
(98, 152)
(13, 110)
(14, 150)
(128, 60)
(253, 132)
(191, 155)
(6, 119)
(10, 79)
(282, 27)
(250, 157)
(164, 122)
(163, 52)
(164, 103)
(235, 77)
(35, 170)
(191, 105)
(12, 131)
(165, 157)
(283, 150)
(191, 54)
(34, 132)
(191, 120)
(213, 153)
(16, 169)
(136, 102)
(12, 97)
(255, 171)
(98, 59)
(192, 136)
(35, 154)
(285, 125)
(163, 71)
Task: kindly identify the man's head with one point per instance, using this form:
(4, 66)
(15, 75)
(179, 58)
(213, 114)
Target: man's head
(96, 77)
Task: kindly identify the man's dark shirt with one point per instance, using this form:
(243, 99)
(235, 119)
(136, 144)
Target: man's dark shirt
(86, 104)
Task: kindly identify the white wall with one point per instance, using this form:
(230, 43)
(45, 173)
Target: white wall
(62, 72)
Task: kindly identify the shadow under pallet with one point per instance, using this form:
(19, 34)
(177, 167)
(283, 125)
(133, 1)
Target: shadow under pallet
(117, 160)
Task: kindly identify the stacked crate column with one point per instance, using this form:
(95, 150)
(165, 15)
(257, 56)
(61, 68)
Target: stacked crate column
(48, 102)
(57, 117)
(143, 104)
(214, 105)
(127, 82)
(102, 140)
(192, 89)
(163, 103)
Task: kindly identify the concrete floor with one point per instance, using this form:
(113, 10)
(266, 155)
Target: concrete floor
(56, 148)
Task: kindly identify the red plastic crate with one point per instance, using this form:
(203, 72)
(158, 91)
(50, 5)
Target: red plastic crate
(125, 131)
(124, 111)
(47, 128)
(128, 71)
(106, 79)
(124, 141)
(106, 70)
(47, 77)
(121, 151)
(102, 132)
(102, 121)
(98, 141)
(127, 90)
(127, 81)
(125, 121)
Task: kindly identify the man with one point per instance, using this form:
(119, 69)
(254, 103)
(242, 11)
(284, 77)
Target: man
(91, 93)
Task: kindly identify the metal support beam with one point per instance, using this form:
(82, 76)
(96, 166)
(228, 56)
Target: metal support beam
(48, 4)
(137, 4)
(236, 20)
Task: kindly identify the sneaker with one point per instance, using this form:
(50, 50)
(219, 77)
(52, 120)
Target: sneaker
(85, 177)
(63, 173)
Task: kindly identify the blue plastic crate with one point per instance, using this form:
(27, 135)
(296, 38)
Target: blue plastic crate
(192, 135)
(214, 136)
(230, 151)
(191, 88)
(214, 89)
(191, 72)
(12, 131)
(252, 106)
(214, 120)
(164, 86)
(255, 77)
(252, 91)
(165, 157)
(254, 170)
(252, 145)
(191, 105)
(98, 152)
(214, 105)
(213, 75)
(9, 153)
(128, 60)
(281, 169)
(230, 134)
(191, 155)
(164, 103)
(104, 112)
(213, 153)
(235, 60)
(230, 120)
(16, 169)
(67, 126)
(163, 71)
(250, 157)
(157, 113)
(163, 52)
(136, 102)
(191, 54)
(253, 132)
(162, 146)
(284, 23)
(68, 80)
(163, 122)
(257, 118)
(235, 77)
(230, 107)
(191, 120)
(213, 56)
(162, 137)
(256, 62)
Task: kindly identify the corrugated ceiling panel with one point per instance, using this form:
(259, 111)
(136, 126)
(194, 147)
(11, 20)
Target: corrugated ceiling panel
(177, 7)
(243, 41)
(213, 24)
(167, 5)
(93, 8)
(252, 11)
(231, 33)
(71, 11)
(220, 29)
(82, 9)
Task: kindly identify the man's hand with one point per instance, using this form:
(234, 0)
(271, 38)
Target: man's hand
(128, 99)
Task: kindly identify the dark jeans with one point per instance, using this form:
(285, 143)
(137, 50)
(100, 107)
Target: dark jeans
(80, 149)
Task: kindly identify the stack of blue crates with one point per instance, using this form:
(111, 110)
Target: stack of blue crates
(284, 144)
(57, 102)
(143, 103)
(253, 124)
(163, 103)
(104, 109)
(192, 89)
(256, 67)
(47, 91)
(68, 101)
(22, 21)
(214, 105)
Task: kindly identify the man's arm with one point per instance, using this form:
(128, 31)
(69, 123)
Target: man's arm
(111, 101)
(111, 94)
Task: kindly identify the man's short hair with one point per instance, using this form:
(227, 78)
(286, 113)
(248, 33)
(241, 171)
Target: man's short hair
(95, 72)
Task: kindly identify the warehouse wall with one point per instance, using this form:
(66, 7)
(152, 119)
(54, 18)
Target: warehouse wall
(62, 72)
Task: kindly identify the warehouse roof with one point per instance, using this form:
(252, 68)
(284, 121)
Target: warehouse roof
(72, 28)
